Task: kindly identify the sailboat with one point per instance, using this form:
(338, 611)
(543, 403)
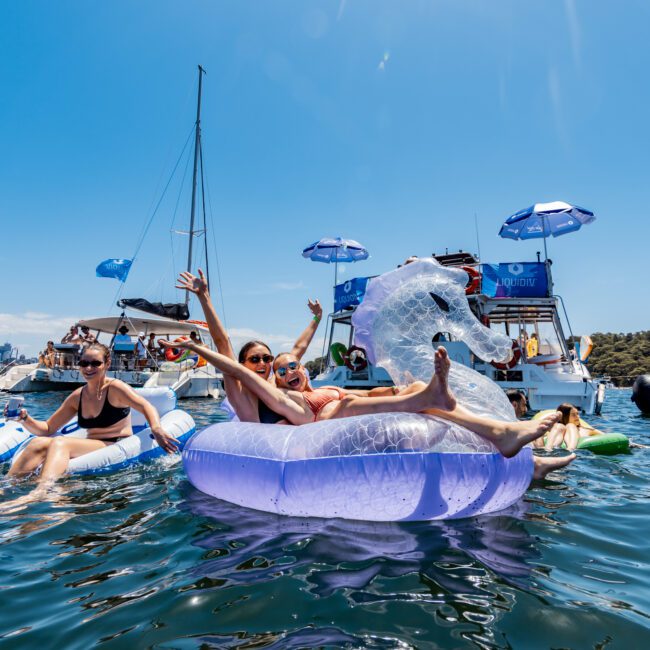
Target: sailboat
(169, 321)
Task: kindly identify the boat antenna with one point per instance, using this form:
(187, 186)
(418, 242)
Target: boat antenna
(197, 146)
(478, 242)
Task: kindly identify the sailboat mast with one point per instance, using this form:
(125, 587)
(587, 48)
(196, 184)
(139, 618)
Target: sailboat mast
(197, 146)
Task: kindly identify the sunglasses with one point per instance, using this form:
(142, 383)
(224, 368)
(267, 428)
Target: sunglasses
(256, 358)
(84, 363)
(292, 365)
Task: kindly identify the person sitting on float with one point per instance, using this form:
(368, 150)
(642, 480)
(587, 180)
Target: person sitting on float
(103, 408)
(298, 403)
(256, 356)
(569, 429)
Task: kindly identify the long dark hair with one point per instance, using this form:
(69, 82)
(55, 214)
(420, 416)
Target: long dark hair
(566, 409)
(247, 346)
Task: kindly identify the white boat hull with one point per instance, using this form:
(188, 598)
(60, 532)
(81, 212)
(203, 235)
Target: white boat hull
(195, 382)
(33, 379)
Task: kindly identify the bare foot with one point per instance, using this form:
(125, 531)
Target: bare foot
(437, 394)
(543, 465)
(516, 435)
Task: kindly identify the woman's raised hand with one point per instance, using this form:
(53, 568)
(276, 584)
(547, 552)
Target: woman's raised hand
(190, 282)
(315, 308)
(183, 345)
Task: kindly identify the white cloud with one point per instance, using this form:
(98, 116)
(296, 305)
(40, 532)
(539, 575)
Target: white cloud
(574, 31)
(33, 328)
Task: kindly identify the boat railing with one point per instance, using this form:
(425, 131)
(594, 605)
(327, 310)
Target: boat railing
(7, 367)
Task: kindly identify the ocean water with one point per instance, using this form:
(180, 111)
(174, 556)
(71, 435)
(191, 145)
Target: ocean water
(141, 559)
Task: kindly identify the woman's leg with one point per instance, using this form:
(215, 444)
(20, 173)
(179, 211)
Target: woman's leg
(31, 458)
(416, 398)
(555, 436)
(61, 450)
(572, 436)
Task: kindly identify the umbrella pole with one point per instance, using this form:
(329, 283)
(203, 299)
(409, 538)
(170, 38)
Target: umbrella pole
(544, 226)
(336, 271)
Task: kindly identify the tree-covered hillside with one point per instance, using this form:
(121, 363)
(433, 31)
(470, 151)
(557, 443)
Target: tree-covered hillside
(621, 356)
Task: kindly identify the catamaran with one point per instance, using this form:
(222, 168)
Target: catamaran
(514, 298)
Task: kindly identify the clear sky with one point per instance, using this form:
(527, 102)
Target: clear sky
(392, 123)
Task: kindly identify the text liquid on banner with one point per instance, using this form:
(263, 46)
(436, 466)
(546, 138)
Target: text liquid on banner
(516, 280)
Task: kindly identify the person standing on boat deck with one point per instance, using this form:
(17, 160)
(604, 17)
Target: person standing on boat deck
(254, 355)
(72, 336)
(195, 337)
(102, 406)
(123, 336)
(86, 336)
(140, 351)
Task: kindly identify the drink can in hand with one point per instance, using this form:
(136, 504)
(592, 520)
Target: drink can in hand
(14, 405)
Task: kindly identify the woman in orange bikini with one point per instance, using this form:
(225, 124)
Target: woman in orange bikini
(293, 398)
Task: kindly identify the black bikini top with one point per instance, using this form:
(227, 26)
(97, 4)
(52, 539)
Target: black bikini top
(267, 416)
(107, 417)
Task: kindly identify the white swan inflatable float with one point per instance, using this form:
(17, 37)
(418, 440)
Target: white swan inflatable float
(139, 447)
(388, 467)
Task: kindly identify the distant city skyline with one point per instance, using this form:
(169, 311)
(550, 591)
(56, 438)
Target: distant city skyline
(411, 128)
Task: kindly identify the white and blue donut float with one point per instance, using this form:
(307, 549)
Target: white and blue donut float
(137, 448)
(387, 467)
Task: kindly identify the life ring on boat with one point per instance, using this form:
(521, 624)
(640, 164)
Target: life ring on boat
(338, 352)
(514, 360)
(474, 282)
(356, 359)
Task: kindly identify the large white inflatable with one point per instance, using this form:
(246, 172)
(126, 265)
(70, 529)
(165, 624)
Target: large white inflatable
(139, 447)
(386, 467)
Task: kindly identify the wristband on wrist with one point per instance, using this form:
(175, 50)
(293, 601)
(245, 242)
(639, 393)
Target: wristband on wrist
(317, 319)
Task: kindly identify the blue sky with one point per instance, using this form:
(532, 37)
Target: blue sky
(390, 123)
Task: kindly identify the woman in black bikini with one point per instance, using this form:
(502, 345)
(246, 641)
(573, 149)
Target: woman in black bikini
(103, 408)
(254, 355)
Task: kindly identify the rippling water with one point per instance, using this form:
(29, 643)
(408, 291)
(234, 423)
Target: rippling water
(142, 559)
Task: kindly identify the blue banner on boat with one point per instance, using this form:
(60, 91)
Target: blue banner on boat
(114, 268)
(518, 280)
(350, 293)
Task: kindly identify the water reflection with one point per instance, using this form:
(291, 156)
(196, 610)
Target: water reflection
(462, 567)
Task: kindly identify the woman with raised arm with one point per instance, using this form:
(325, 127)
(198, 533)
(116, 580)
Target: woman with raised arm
(254, 355)
(103, 408)
(296, 401)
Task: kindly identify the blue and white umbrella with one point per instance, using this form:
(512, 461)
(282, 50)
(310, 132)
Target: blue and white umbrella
(545, 219)
(335, 250)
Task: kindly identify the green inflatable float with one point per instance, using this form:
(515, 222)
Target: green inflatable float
(605, 443)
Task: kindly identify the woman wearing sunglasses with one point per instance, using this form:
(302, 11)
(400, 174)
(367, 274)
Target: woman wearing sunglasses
(256, 356)
(103, 408)
(295, 400)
